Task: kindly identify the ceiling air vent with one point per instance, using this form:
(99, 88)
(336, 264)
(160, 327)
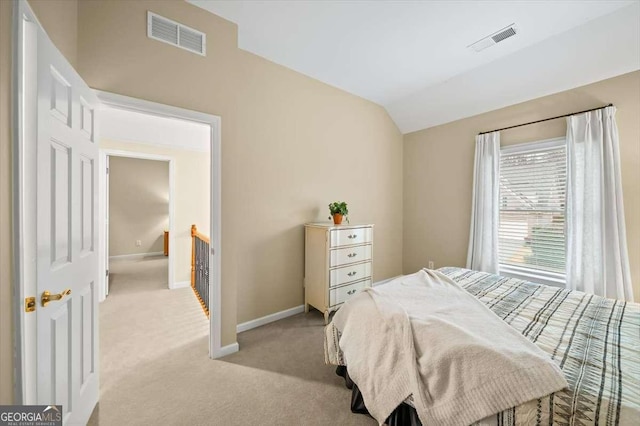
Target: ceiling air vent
(494, 38)
(171, 32)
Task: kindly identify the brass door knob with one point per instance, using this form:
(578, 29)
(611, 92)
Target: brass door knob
(48, 297)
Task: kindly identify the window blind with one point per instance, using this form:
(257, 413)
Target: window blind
(532, 209)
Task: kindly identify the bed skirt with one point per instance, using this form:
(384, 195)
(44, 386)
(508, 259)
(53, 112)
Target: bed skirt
(403, 415)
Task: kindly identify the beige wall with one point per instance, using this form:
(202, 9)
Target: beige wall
(438, 167)
(60, 20)
(192, 197)
(6, 293)
(290, 145)
(138, 205)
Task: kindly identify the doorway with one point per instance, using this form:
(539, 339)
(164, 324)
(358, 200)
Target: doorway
(143, 182)
(156, 186)
(138, 223)
(122, 134)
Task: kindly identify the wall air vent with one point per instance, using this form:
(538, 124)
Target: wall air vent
(179, 35)
(494, 38)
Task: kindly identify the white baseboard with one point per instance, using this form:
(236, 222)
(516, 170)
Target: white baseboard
(136, 255)
(180, 284)
(227, 350)
(269, 318)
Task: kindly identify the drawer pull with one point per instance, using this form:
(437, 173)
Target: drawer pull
(351, 274)
(351, 291)
(352, 236)
(352, 254)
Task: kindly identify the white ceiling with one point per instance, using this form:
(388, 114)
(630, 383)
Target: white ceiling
(130, 126)
(412, 58)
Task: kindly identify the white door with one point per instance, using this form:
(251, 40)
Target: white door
(67, 155)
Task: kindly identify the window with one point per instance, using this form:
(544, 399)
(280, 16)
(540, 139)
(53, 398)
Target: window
(531, 236)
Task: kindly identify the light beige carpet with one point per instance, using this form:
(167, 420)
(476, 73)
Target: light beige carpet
(155, 367)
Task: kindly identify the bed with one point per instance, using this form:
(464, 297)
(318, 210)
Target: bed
(595, 341)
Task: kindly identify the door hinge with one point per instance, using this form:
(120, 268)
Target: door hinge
(107, 170)
(29, 304)
(106, 273)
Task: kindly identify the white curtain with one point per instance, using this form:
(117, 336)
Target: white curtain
(597, 259)
(485, 207)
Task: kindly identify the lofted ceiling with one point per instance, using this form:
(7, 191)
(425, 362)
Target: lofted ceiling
(412, 57)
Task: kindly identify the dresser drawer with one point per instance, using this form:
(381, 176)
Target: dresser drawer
(347, 274)
(347, 237)
(342, 294)
(348, 255)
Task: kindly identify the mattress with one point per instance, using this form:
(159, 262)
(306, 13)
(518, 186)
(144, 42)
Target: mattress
(595, 341)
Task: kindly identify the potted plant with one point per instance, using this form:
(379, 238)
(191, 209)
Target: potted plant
(338, 210)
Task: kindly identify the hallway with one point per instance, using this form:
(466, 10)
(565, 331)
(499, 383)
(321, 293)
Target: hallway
(142, 320)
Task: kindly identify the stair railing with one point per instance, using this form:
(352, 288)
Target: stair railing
(200, 267)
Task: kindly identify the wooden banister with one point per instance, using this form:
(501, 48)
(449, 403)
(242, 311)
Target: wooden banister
(195, 233)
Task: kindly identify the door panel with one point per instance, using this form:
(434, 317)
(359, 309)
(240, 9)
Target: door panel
(67, 329)
(86, 115)
(86, 202)
(61, 351)
(88, 332)
(60, 97)
(60, 203)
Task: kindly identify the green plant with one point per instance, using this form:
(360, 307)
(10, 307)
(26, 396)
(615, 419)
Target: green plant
(339, 207)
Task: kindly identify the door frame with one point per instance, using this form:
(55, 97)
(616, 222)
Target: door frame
(24, 172)
(24, 164)
(215, 201)
(103, 206)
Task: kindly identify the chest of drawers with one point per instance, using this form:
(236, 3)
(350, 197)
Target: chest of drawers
(338, 263)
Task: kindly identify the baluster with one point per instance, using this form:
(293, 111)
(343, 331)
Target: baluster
(206, 276)
(199, 255)
(199, 269)
(197, 266)
(202, 283)
(200, 262)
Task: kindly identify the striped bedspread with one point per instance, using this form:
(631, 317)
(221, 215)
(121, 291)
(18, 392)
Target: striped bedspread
(595, 341)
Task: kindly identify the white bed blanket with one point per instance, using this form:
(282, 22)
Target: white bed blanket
(423, 335)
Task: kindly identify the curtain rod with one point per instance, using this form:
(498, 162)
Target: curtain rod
(545, 119)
